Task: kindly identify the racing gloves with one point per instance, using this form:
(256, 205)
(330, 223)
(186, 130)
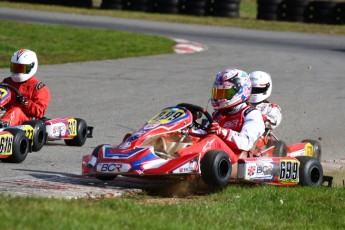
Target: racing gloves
(22, 100)
(216, 129)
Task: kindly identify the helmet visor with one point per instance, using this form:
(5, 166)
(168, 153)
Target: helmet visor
(21, 68)
(257, 90)
(223, 93)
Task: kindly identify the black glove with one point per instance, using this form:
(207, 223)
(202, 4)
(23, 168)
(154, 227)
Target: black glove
(21, 99)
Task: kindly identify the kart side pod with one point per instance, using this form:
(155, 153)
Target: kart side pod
(285, 171)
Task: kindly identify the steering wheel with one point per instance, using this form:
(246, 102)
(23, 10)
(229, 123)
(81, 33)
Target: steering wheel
(11, 87)
(19, 96)
(197, 113)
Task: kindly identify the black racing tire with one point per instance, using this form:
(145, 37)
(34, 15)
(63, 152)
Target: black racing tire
(114, 6)
(230, 1)
(229, 14)
(167, 3)
(295, 3)
(216, 168)
(20, 146)
(269, 2)
(268, 9)
(279, 149)
(267, 16)
(339, 13)
(317, 148)
(195, 12)
(40, 134)
(80, 139)
(310, 171)
(167, 9)
(201, 4)
(102, 177)
(226, 7)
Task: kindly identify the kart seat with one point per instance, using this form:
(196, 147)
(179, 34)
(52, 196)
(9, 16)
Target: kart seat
(160, 145)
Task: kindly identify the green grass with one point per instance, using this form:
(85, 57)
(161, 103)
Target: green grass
(248, 9)
(62, 44)
(240, 207)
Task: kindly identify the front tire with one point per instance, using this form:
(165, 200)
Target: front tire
(80, 139)
(216, 168)
(310, 171)
(40, 137)
(20, 146)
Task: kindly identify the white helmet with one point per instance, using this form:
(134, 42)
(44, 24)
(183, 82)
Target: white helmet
(230, 88)
(24, 65)
(261, 86)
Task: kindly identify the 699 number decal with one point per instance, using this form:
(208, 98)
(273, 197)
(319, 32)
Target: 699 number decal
(289, 171)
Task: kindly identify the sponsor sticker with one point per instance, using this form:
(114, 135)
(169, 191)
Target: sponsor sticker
(113, 167)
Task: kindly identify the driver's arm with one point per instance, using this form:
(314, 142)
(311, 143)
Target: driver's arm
(37, 103)
(252, 129)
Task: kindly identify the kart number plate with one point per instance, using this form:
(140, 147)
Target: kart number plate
(167, 116)
(29, 132)
(6, 141)
(72, 127)
(289, 171)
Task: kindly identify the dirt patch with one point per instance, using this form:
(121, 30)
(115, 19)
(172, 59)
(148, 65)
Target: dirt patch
(336, 169)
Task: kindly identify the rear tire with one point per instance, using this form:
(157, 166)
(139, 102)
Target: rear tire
(279, 149)
(80, 139)
(216, 168)
(20, 146)
(102, 177)
(40, 137)
(310, 171)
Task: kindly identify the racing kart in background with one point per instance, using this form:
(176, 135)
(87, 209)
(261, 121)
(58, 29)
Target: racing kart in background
(150, 152)
(17, 141)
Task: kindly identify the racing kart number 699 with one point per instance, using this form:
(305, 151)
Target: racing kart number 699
(151, 152)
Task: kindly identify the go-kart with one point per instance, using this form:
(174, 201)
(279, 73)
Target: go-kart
(32, 135)
(150, 152)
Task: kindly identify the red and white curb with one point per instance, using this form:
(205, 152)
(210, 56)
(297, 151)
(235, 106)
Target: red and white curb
(185, 46)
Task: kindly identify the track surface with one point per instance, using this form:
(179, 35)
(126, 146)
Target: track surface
(118, 96)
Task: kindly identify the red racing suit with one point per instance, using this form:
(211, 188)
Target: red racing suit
(244, 127)
(37, 96)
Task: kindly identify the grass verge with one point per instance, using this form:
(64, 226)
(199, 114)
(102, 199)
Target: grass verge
(62, 44)
(244, 207)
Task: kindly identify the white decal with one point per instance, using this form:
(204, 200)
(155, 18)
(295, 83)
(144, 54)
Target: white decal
(207, 146)
(113, 167)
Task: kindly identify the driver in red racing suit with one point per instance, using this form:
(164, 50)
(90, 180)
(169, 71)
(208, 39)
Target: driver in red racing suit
(35, 96)
(237, 125)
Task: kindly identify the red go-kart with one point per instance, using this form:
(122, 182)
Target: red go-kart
(17, 141)
(150, 152)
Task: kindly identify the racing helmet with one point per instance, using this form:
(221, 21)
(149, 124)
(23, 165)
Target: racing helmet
(24, 65)
(261, 86)
(230, 88)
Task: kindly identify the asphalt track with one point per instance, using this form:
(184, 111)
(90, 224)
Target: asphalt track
(118, 96)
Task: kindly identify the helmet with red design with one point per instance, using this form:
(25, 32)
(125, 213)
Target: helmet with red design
(24, 65)
(230, 88)
(262, 86)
